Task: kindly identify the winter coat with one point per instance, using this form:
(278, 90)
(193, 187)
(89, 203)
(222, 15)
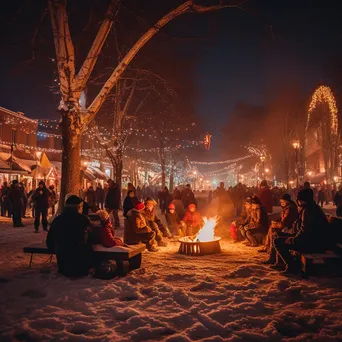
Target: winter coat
(106, 235)
(193, 219)
(338, 199)
(266, 198)
(52, 198)
(244, 218)
(40, 198)
(90, 197)
(15, 197)
(259, 219)
(69, 238)
(137, 225)
(313, 228)
(4, 193)
(99, 195)
(288, 215)
(113, 198)
(180, 211)
(128, 204)
(321, 195)
(173, 221)
(152, 218)
(187, 197)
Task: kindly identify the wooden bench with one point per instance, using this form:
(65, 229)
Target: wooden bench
(128, 258)
(313, 263)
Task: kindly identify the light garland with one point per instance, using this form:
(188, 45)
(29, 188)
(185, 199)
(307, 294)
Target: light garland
(323, 94)
(229, 161)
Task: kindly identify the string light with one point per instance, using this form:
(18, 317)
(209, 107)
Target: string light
(323, 94)
(229, 161)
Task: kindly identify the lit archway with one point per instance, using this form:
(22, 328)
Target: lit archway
(322, 115)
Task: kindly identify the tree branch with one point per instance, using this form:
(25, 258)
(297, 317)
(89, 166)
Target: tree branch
(187, 6)
(94, 52)
(64, 47)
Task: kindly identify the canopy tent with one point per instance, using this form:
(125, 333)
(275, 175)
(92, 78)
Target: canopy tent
(97, 173)
(45, 169)
(14, 163)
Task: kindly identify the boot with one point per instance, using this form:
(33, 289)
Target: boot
(162, 243)
(152, 249)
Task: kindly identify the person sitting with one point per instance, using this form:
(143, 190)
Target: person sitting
(241, 222)
(106, 231)
(138, 230)
(69, 238)
(175, 225)
(257, 228)
(193, 220)
(130, 202)
(310, 237)
(287, 218)
(153, 221)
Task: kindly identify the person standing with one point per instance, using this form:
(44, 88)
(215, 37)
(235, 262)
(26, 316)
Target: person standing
(99, 195)
(24, 196)
(321, 196)
(265, 196)
(16, 203)
(187, 196)
(112, 204)
(52, 199)
(4, 200)
(41, 200)
(90, 198)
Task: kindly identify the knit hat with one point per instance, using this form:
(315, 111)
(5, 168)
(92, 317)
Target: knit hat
(248, 200)
(255, 200)
(139, 206)
(73, 201)
(172, 206)
(305, 195)
(191, 206)
(41, 183)
(67, 196)
(150, 199)
(286, 197)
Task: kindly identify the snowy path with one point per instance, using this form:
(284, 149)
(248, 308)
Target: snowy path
(227, 297)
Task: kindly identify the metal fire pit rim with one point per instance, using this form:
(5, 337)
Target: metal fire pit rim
(216, 238)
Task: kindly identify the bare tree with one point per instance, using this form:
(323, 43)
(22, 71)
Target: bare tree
(74, 120)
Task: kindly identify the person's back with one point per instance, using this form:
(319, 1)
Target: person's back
(266, 197)
(69, 238)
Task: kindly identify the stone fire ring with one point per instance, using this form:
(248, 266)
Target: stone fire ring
(189, 247)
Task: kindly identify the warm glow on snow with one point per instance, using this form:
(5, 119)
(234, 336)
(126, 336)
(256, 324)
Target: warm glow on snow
(207, 232)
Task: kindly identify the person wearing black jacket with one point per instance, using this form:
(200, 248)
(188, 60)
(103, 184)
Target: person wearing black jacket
(69, 238)
(130, 202)
(311, 235)
(15, 198)
(4, 200)
(41, 199)
(112, 203)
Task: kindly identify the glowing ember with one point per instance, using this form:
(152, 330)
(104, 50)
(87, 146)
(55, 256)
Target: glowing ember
(207, 232)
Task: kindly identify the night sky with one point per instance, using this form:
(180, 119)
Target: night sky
(245, 56)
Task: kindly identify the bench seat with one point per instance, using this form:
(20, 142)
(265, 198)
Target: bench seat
(121, 254)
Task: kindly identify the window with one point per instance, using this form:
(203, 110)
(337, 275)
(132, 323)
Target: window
(14, 136)
(27, 139)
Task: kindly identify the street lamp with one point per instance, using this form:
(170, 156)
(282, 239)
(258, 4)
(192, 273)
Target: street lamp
(267, 171)
(296, 146)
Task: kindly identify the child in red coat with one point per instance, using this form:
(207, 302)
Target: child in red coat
(106, 232)
(193, 220)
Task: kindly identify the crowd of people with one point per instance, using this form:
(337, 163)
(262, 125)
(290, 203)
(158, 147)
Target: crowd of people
(303, 226)
(16, 202)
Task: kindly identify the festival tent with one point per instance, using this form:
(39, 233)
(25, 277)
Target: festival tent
(44, 169)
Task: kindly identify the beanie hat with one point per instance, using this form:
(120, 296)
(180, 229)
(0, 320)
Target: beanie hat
(139, 206)
(172, 206)
(305, 195)
(248, 200)
(150, 199)
(73, 201)
(67, 196)
(191, 206)
(286, 197)
(41, 183)
(255, 200)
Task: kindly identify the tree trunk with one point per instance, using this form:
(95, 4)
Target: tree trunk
(71, 155)
(171, 181)
(118, 174)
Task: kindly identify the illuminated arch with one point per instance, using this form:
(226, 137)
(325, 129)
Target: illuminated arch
(323, 94)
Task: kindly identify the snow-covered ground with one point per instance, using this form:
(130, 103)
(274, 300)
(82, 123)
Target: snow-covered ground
(226, 297)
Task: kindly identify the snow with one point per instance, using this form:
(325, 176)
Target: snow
(173, 297)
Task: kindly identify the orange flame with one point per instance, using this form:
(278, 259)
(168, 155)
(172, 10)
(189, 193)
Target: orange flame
(207, 232)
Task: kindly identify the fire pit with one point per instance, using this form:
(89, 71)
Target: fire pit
(204, 243)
